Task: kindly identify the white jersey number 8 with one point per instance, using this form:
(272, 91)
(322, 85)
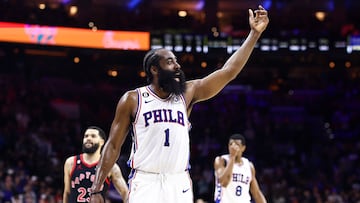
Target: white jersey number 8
(238, 190)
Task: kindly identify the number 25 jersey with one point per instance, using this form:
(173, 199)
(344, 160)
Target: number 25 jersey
(82, 177)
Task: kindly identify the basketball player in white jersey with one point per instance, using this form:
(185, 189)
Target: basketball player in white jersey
(157, 116)
(235, 175)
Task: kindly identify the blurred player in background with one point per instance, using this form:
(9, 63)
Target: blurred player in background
(79, 170)
(235, 175)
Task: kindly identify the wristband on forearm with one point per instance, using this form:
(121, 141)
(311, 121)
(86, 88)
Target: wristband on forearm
(94, 193)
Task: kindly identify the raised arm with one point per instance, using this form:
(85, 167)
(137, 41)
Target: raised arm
(211, 85)
(223, 174)
(223, 171)
(118, 132)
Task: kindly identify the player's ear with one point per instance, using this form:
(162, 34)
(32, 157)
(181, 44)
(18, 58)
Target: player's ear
(102, 142)
(154, 69)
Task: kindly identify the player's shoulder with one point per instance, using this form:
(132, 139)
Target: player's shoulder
(193, 81)
(70, 161)
(71, 158)
(192, 84)
(130, 93)
(223, 156)
(246, 160)
(220, 159)
(128, 97)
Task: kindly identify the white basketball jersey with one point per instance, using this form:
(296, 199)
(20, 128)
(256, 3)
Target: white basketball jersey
(160, 134)
(238, 189)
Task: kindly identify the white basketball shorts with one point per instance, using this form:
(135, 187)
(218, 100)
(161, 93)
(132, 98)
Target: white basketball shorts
(160, 188)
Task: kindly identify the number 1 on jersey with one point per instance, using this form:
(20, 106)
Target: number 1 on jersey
(167, 134)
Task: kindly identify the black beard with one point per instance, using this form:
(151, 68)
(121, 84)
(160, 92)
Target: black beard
(90, 150)
(168, 83)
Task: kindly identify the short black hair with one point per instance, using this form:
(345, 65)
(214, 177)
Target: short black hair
(101, 131)
(238, 136)
(151, 59)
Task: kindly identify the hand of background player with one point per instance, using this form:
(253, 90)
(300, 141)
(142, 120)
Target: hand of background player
(233, 150)
(97, 198)
(258, 19)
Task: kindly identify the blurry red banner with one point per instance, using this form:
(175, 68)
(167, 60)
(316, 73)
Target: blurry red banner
(73, 37)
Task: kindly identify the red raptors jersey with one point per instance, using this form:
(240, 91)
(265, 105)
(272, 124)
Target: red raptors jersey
(82, 177)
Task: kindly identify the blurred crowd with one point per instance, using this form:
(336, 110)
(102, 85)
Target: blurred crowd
(302, 134)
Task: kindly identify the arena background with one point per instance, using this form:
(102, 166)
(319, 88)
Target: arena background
(297, 100)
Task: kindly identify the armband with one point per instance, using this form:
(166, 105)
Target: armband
(94, 193)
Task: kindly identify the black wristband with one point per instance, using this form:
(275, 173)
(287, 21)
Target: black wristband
(94, 193)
